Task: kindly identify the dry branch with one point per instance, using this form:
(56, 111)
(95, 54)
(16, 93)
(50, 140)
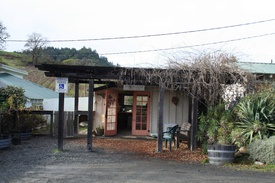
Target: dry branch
(206, 76)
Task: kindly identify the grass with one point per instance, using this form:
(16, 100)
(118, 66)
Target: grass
(14, 59)
(244, 163)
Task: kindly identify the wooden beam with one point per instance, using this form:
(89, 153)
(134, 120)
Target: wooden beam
(90, 115)
(61, 121)
(160, 118)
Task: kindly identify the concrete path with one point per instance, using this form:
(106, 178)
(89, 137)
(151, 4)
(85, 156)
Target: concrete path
(37, 160)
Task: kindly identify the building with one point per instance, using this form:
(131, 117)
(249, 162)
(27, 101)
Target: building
(35, 93)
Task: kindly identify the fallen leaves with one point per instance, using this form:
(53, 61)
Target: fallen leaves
(147, 149)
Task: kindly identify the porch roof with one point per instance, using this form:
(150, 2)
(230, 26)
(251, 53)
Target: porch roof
(175, 79)
(100, 74)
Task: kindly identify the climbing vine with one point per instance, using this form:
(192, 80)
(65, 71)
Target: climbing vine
(204, 77)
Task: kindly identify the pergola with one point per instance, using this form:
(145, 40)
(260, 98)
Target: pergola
(111, 77)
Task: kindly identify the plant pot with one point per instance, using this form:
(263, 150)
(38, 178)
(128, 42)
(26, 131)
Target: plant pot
(23, 135)
(220, 154)
(5, 143)
(99, 132)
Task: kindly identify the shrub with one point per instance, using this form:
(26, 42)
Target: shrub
(7, 123)
(256, 116)
(12, 97)
(263, 150)
(31, 120)
(216, 125)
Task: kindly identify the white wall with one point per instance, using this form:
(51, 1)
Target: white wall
(52, 104)
(173, 114)
(100, 109)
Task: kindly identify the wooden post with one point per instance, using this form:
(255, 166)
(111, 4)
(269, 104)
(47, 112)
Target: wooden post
(90, 115)
(61, 121)
(160, 118)
(190, 112)
(51, 124)
(0, 120)
(194, 125)
(76, 103)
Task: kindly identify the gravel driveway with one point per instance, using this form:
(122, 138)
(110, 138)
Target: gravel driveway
(37, 160)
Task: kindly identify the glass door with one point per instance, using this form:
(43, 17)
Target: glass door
(141, 113)
(111, 113)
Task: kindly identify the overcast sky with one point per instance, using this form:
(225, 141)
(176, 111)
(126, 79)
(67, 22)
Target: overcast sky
(89, 19)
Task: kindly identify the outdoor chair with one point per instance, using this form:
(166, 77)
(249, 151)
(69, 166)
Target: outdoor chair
(169, 135)
(184, 133)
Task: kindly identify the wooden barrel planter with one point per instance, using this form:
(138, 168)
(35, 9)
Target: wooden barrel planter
(221, 154)
(5, 143)
(26, 135)
(19, 136)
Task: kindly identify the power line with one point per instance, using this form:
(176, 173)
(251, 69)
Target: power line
(191, 46)
(151, 35)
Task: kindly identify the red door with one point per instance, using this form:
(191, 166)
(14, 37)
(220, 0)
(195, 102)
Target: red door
(111, 113)
(141, 113)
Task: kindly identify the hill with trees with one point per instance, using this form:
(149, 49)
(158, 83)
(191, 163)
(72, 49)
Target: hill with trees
(70, 56)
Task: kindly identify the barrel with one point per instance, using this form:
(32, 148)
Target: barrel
(220, 154)
(4, 143)
(25, 135)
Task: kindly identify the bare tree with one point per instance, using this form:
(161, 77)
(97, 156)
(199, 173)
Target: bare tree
(3, 36)
(35, 45)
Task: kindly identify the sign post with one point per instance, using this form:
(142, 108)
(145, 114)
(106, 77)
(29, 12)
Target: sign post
(61, 87)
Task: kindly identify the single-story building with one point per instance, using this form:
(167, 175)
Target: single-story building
(136, 100)
(10, 76)
(264, 72)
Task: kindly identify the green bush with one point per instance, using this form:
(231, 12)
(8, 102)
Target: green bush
(216, 125)
(256, 113)
(29, 121)
(7, 123)
(12, 97)
(263, 150)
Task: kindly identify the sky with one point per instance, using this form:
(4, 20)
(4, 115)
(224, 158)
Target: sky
(97, 19)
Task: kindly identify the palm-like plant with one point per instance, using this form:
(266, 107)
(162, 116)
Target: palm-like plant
(256, 115)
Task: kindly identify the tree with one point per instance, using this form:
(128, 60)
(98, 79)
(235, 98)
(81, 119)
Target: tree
(3, 36)
(35, 45)
(12, 98)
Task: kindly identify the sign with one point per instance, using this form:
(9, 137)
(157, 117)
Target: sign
(134, 87)
(61, 85)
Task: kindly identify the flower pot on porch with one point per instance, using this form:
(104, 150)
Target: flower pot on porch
(99, 132)
(220, 154)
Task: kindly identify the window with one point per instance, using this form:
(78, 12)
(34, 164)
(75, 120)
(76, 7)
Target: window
(128, 100)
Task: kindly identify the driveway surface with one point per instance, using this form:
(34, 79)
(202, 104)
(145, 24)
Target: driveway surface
(37, 160)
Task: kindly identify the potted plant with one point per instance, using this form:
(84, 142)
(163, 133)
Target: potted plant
(215, 133)
(100, 130)
(26, 124)
(12, 99)
(6, 126)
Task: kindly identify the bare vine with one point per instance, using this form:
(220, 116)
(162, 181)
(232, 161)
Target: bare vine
(205, 77)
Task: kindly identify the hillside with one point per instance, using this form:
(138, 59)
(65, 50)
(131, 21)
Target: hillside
(24, 62)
